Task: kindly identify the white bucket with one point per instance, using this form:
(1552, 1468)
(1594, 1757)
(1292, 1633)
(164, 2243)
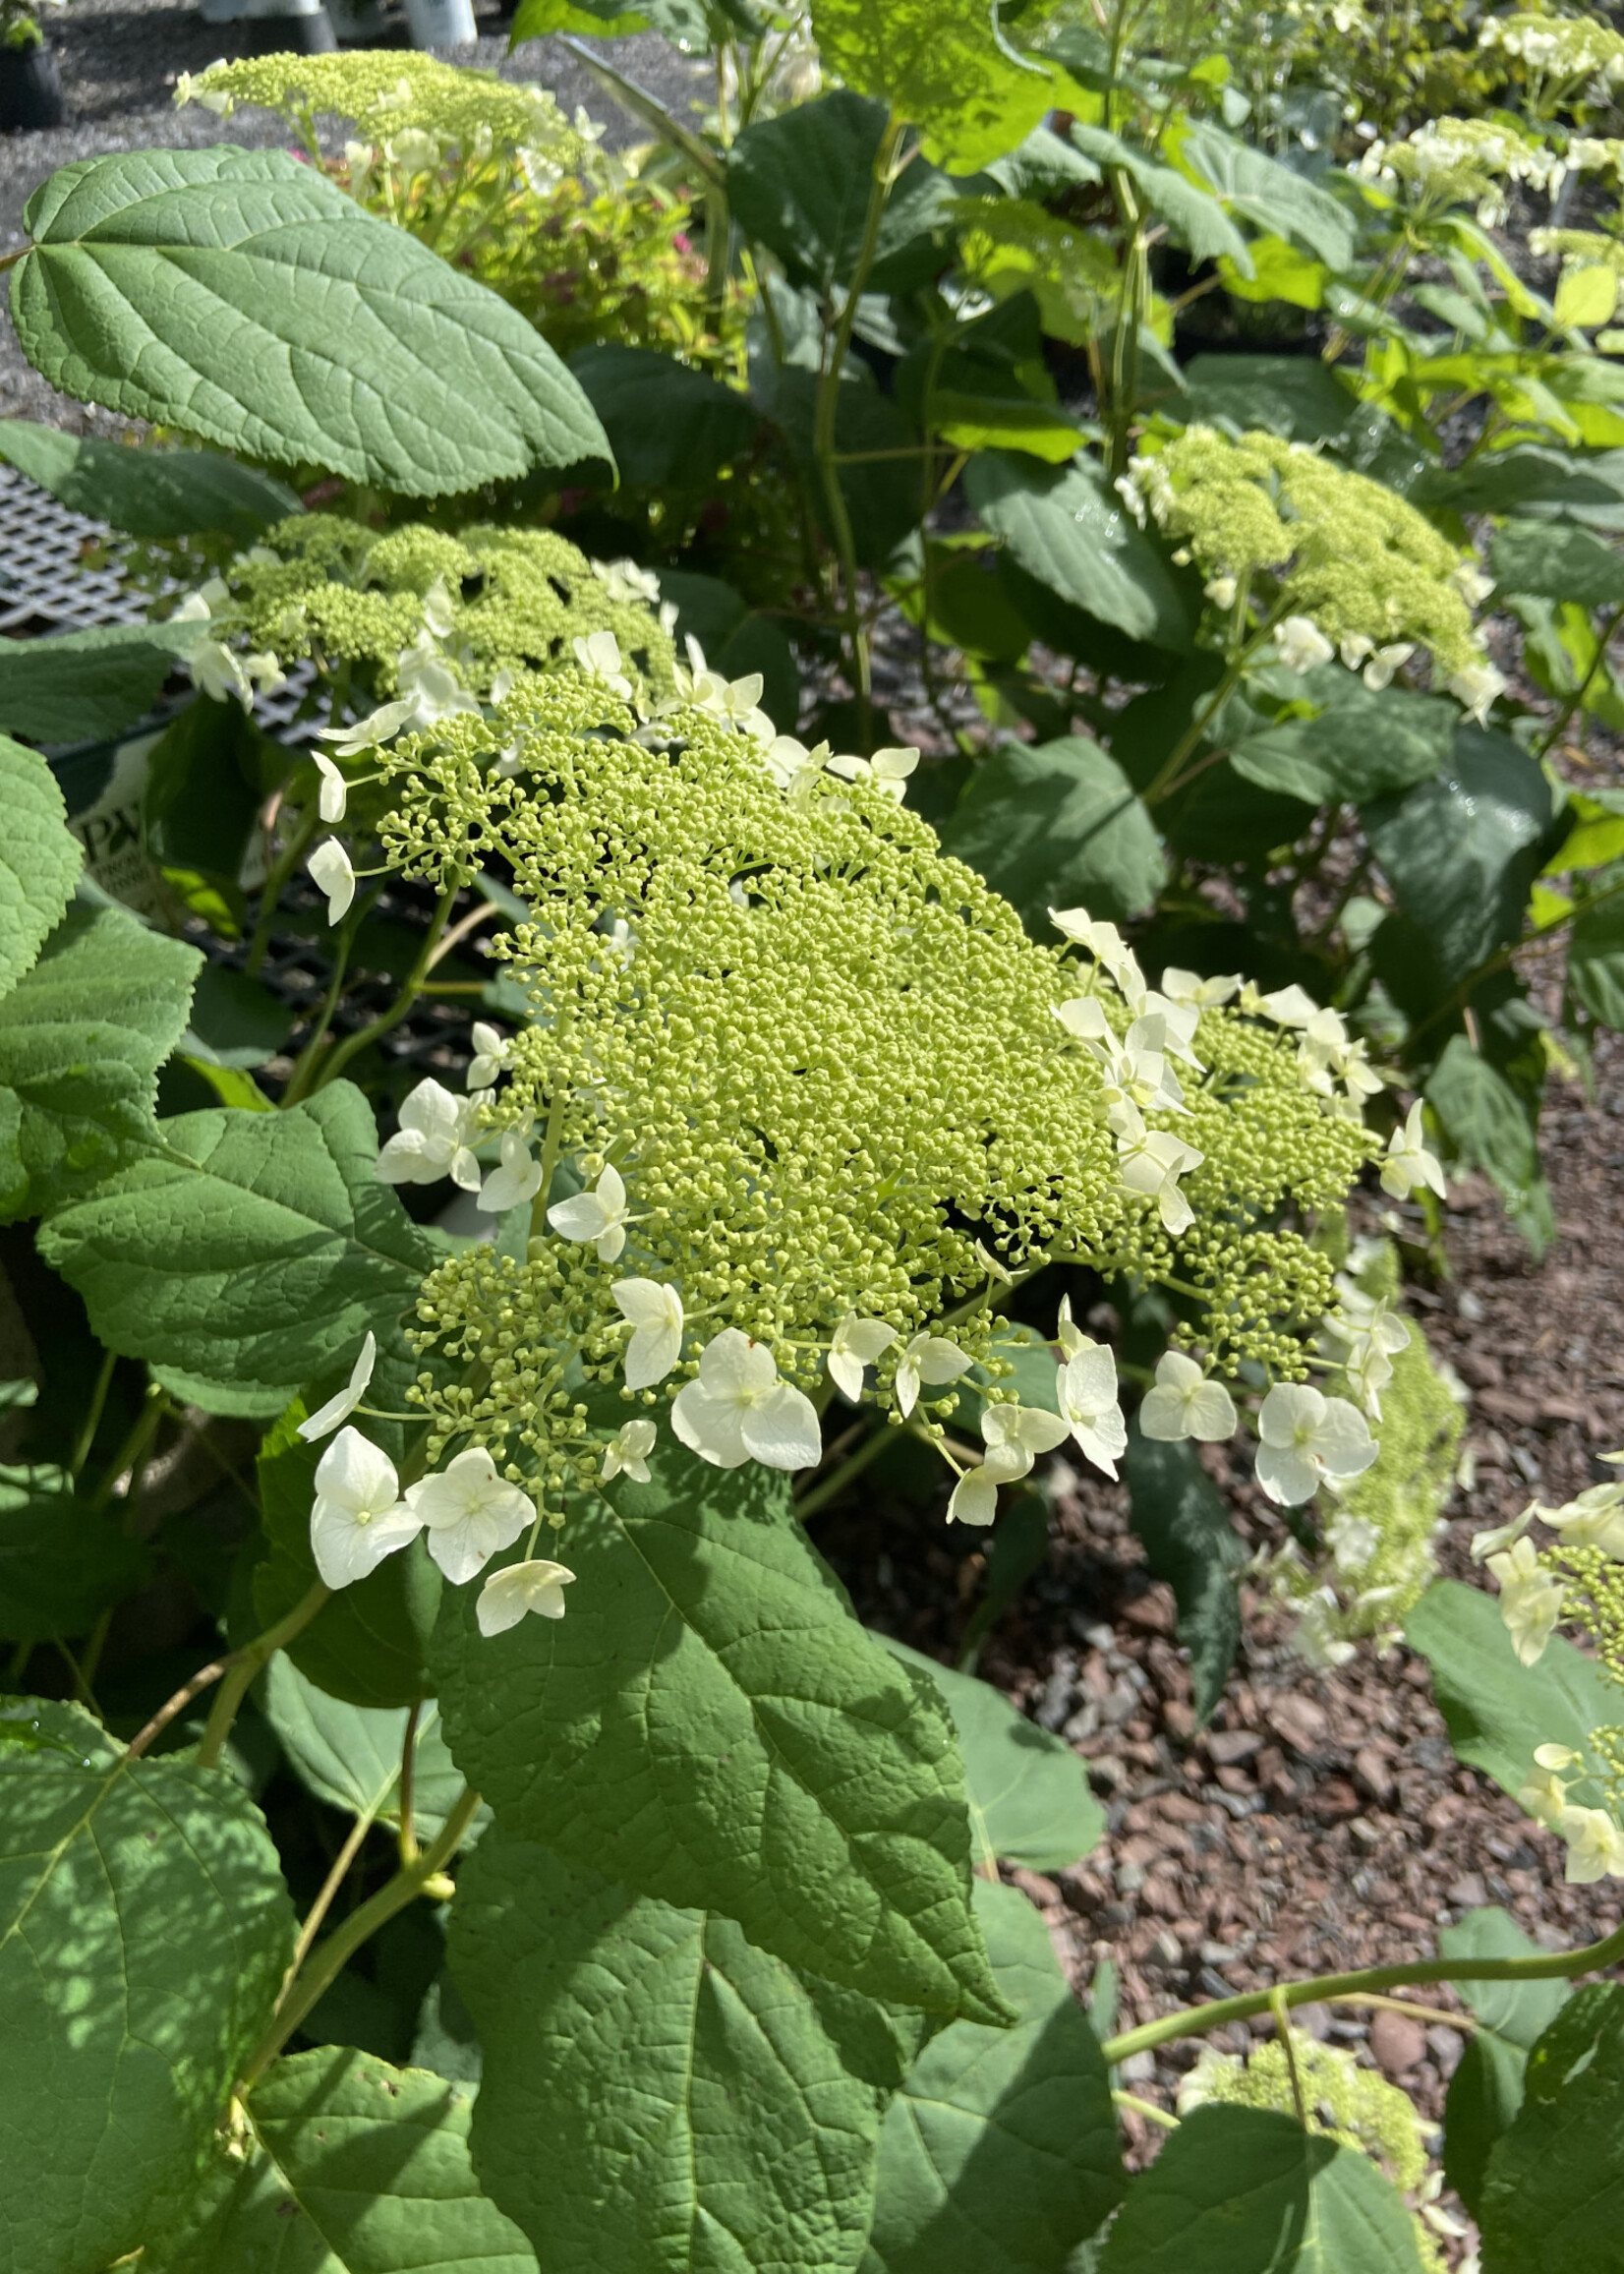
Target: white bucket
(440, 22)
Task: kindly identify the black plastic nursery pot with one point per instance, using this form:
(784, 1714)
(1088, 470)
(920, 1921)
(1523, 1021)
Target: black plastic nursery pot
(30, 88)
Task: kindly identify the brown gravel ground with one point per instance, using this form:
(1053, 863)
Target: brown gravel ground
(1322, 1822)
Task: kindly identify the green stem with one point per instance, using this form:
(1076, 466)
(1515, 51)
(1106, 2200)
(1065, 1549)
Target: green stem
(239, 1670)
(276, 876)
(1559, 1966)
(146, 1426)
(819, 1496)
(298, 1080)
(339, 1056)
(1168, 775)
(1558, 725)
(1147, 2109)
(93, 1419)
(827, 411)
(308, 1986)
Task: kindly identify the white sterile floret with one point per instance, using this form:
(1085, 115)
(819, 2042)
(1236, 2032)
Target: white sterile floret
(890, 769)
(1544, 1793)
(1530, 1600)
(601, 1216)
(378, 726)
(469, 1512)
(1221, 591)
(1179, 986)
(1151, 1161)
(1290, 1006)
(331, 873)
(736, 1409)
(1305, 1438)
(736, 700)
(856, 1342)
(358, 1517)
(1475, 686)
(333, 794)
(516, 1181)
(627, 1452)
(599, 656)
(1184, 1403)
(507, 1596)
(1595, 1519)
(432, 1141)
(625, 580)
(491, 1052)
(1595, 1845)
(655, 1314)
(1364, 1337)
(1103, 941)
(1471, 584)
(1503, 1535)
(1300, 644)
(1085, 1391)
(222, 674)
(339, 1407)
(1408, 1162)
(1069, 1334)
(927, 1359)
(1014, 1437)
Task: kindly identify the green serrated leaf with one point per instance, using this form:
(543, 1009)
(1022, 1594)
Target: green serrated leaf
(799, 183)
(39, 859)
(1030, 1800)
(1553, 2197)
(82, 1038)
(1056, 825)
(349, 2166)
(698, 2102)
(1486, 2089)
(89, 685)
(350, 1756)
(1497, 1710)
(1596, 955)
(62, 1562)
(1243, 2190)
(1363, 743)
(147, 492)
(250, 1257)
(944, 63)
(144, 1934)
(1189, 1540)
(681, 22)
(1065, 527)
(1271, 196)
(241, 296)
(1557, 562)
(1000, 2155)
(712, 1726)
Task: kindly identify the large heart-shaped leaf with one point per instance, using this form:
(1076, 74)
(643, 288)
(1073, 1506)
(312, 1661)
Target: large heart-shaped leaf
(1553, 2198)
(703, 2106)
(1498, 1710)
(1065, 527)
(243, 296)
(347, 2166)
(711, 1725)
(144, 1933)
(944, 63)
(1056, 825)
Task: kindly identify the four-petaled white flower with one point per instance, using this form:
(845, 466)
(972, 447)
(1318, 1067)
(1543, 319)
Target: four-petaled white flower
(220, 673)
(1085, 1390)
(516, 1181)
(599, 656)
(736, 1409)
(1595, 1845)
(1300, 644)
(1304, 1438)
(926, 1359)
(358, 1517)
(655, 1314)
(599, 1215)
(1503, 1535)
(1366, 1336)
(467, 1512)
(1530, 1600)
(333, 794)
(1184, 1403)
(856, 1342)
(491, 1052)
(1468, 579)
(339, 1407)
(889, 770)
(1408, 1163)
(331, 873)
(738, 701)
(1151, 1161)
(1102, 940)
(627, 1452)
(507, 1596)
(432, 1141)
(1181, 986)
(1221, 591)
